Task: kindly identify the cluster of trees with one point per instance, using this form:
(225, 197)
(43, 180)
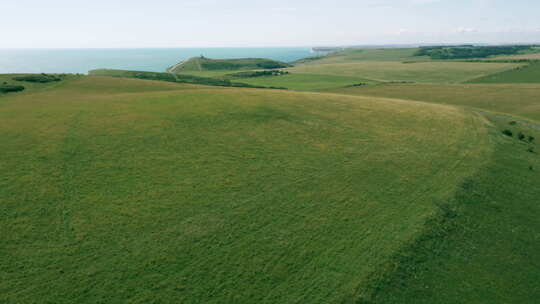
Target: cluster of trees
(40, 78)
(8, 88)
(469, 51)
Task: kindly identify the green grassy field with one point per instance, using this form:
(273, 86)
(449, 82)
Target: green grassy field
(486, 249)
(163, 190)
(125, 190)
(172, 77)
(526, 74)
(423, 72)
(29, 86)
(306, 82)
(352, 66)
(522, 100)
(387, 54)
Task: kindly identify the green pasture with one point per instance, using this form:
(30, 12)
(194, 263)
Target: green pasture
(422, 72)
(125, 190)
(521, 100)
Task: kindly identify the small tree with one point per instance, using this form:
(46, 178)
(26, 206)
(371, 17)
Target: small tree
(521, 136)
(531, 139)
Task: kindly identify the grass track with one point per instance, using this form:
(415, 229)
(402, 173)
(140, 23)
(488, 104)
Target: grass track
(140, 191)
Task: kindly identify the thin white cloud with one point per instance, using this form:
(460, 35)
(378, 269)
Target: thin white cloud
(465, 30)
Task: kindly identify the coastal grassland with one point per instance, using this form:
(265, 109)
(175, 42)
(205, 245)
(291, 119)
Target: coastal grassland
(29, 87)
(127, 190)
(220, 74)
(522, 100)
(206, 64)
(525, 74)
(170, 77)
(486, 249)
(354, 55)
(423, 72)
(306, 82)
(303, 82)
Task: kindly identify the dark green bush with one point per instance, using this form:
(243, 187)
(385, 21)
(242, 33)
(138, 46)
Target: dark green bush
(508, 132)
(521, 136)
(41, 78)
(6, 88)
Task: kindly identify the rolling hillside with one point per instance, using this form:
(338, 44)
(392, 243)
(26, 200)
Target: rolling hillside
(198, 64)
(423, 72)
(486, 249)
(526, 74)
(142, 191)
(519, 100)
(393, 181)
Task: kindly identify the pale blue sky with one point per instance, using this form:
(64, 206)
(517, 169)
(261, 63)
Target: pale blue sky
(213, 23)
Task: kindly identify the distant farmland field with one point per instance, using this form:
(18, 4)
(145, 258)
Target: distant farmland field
(526, 74)
(423, 72)
(305, 82)
(521, 100)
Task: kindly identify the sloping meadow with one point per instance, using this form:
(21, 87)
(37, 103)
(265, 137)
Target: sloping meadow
(131, 190)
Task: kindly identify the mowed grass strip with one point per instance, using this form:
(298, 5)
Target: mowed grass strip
(118, 190)
(521, 100)
(423, 72)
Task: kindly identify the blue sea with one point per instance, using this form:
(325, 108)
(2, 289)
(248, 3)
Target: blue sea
(155, 60)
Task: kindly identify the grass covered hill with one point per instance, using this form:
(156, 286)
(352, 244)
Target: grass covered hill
(526, 74)
(198, 64)
(119, 189)
(519, 100)
(486, 249)
(393, 181)
(178, 78)
(423, 72)
(353, 67)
